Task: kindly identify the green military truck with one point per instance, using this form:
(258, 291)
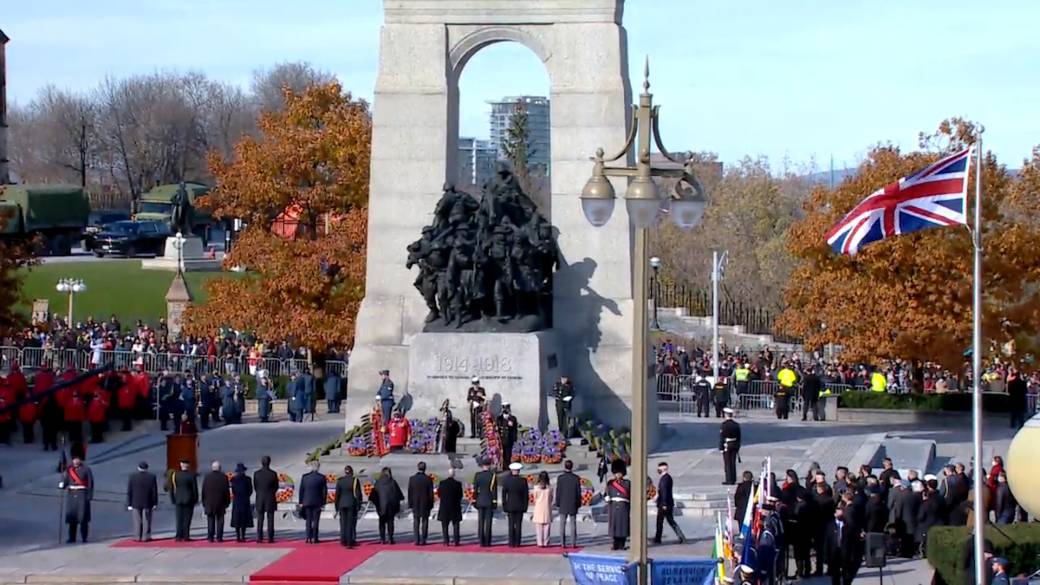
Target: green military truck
(53, 214)
(157, 205)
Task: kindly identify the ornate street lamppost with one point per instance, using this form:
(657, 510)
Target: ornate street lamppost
(178, 244)
(70, 286)
(645, 205)
(655, 290)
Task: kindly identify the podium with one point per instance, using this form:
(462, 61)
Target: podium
(182, 447)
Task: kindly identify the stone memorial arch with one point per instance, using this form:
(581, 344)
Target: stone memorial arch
(424, 47)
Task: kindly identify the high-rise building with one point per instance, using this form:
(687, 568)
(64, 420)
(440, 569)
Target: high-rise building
(537, 108)
(476, 161)
(5, 173)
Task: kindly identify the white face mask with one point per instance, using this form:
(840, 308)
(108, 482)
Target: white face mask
(1001, 480)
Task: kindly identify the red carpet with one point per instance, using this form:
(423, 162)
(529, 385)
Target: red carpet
(328, 561)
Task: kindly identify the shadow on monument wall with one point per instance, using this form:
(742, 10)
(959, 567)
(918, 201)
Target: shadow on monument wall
(581, 336)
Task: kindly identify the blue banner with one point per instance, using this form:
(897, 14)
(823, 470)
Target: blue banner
(591, 569)
(683, 571)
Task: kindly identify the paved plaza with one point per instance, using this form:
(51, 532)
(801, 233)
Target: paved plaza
(29, 507)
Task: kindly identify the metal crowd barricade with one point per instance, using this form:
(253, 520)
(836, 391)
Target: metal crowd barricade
(669, 386)
(31, 357)
(337, 367)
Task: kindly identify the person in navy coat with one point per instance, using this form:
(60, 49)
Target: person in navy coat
(314, 491)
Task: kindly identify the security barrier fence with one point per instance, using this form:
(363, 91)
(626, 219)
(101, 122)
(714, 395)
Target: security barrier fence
(756, 394)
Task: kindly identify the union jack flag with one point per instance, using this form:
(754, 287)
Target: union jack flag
(935, 196)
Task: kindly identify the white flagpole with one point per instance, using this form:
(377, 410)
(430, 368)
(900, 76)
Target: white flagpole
(976, 369)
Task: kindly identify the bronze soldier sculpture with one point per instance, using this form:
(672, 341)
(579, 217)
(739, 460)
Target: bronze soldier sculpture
(487, 265)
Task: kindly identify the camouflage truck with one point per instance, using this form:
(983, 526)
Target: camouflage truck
(54, 215)
(157, 205)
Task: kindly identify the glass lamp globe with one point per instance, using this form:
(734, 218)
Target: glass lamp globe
(687, 213)
(643, 212)
(62, 287)
(655, 262)
(598, 211)
(1022, 473)
(79, 287)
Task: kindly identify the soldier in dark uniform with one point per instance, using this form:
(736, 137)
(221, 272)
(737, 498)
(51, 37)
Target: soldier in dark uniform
(619, 502)
(420, 502)
(514, 503)
(348, 504)
(801, 524)
(507, 433)
(183, 486)
(78, 482)
(720, 396)
(729, 445)
(476, 397)
(314, 490)
(485, 487)
(168, 392)
(333, 396)
(563, 391)
(385, 394)
(701, 390)
(450, 430)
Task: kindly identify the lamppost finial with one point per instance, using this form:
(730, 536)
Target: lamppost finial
(646, 75)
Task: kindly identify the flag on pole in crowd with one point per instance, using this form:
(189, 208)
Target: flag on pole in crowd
(719, 552)
(935, 196)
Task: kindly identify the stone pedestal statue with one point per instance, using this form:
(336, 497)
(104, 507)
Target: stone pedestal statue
(178, 298)
(423, 51)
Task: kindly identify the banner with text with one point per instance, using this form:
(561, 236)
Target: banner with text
(683, 571)
(602, 570)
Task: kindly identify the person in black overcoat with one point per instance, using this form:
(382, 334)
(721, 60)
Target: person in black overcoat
(265, 484)
(823, 505)
(420, 502)
(314, 491)
(142, 497)
(929, 514)
(348, 499)
(839, 550)
(386, 496)
(216, 497)
(619, 500)
(742, 495)
(78, 482)
(514, 503)
(184, 493)
(450, 510)
(876, 513)
(666, 505)
(241, 510)
(568, 500)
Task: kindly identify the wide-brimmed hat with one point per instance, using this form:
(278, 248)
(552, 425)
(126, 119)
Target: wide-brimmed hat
(240, 467)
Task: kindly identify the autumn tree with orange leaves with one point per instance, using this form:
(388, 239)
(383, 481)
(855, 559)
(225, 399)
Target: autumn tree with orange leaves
(910, 296)
(310, 164)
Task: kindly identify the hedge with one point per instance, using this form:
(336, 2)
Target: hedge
(961, 402)
(1018, 543)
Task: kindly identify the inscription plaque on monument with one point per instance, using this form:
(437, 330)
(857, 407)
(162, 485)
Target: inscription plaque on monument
(518, 368)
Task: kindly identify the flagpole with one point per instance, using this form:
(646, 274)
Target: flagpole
(976, 370)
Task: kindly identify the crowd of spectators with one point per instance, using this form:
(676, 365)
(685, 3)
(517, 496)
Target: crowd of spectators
(902, 505)
(675, 360)
(95, 338)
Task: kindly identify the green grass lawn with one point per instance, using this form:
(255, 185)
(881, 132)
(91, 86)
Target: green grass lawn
(117, 286)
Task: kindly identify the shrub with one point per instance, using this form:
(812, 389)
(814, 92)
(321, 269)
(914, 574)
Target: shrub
(961, 402)
(1018, 543)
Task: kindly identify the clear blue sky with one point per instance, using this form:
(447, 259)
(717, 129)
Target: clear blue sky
(802, 80)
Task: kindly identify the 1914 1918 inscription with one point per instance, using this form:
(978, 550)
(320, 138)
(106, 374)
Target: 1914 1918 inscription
(489, 367)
